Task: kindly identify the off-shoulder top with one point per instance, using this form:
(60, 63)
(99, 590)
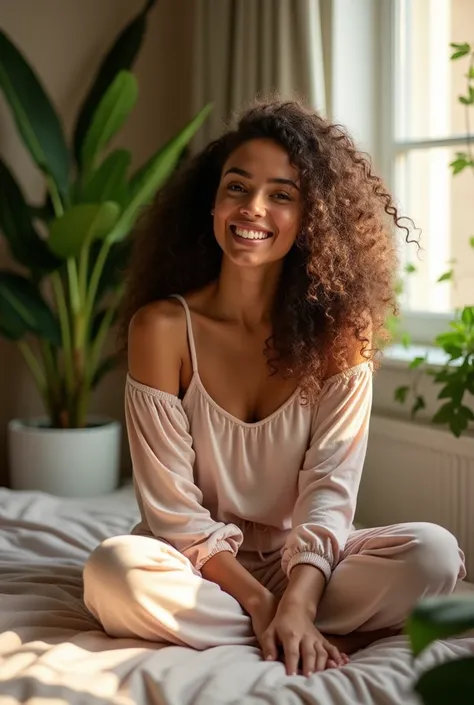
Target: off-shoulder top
(206, 481)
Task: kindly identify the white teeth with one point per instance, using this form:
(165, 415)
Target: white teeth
(252, 234)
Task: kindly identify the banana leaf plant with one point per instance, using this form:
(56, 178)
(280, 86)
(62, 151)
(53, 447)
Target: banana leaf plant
(60, 302)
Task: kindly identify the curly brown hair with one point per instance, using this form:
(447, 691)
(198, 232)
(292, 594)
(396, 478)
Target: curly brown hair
(338, 281)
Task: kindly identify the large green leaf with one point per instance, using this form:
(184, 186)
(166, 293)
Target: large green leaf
(23, 309)
(121, 56)
(34, 115)
(450, 683)
(111, 113)
(109, 181)
(439, 617)
(154, 174)
(24, 242)
(80, 225)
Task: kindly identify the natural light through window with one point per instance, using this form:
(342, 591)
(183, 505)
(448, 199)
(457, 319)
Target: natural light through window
(429, 130)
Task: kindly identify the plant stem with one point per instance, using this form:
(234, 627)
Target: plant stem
(35, 368)
(467, 114)
(102, 335)
(65, 330)
(94, 283)
(73, 280)
(55, 197)
(83, 271)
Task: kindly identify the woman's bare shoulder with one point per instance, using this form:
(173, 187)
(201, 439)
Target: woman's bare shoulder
(157, 343)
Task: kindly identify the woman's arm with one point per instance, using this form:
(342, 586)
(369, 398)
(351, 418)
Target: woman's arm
(322, 518)
(225, 570)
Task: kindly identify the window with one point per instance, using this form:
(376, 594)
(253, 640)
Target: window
(427, 127)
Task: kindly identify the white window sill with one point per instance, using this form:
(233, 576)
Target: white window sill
(399, 356)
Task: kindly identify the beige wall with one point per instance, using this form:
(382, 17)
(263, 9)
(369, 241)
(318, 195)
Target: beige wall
(64, 40)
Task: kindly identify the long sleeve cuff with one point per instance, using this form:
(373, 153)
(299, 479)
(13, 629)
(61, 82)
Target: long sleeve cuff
(312, 559)
(218, 548)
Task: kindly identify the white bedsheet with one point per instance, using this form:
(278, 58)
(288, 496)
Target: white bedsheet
(53, 651)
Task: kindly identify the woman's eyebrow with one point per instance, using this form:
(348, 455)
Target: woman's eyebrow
(247, 175)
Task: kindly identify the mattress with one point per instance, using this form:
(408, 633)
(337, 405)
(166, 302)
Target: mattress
(53, 651)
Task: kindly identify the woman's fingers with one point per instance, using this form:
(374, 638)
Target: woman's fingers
(321, 656)
(291, 648)
(334, 653)
(308, 656)
(268, 644)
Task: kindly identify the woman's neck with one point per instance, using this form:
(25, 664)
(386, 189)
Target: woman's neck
(247, 294)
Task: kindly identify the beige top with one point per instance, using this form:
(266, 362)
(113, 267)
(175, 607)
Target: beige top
(209, 482)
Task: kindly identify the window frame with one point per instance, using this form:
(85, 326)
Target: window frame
(421, 326)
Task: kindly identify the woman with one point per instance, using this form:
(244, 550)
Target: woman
(263, 276)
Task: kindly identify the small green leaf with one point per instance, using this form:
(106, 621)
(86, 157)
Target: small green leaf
(406, 340)
(410, 268)
(414, 364)
(453, 351)
(451, 338)
(460, 50)
(444, 414)
(466, 413)
(458, 424)
(450, 682)
(460, 163)
(437, 618)
(467, 316)
(80, 225)
(446, 276)
(418, 405)
(452, 391)
(470, 73)
(111, 113)
(401, 394)
(471, 242)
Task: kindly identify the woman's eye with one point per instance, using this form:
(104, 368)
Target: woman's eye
(282, 196)
(236, 187)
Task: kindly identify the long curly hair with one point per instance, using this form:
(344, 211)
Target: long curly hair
(338, 282)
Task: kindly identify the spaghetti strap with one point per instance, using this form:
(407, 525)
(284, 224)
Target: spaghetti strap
(192, 346)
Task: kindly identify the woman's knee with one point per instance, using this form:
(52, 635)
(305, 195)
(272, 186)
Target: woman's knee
(106, 568)
(435, 558)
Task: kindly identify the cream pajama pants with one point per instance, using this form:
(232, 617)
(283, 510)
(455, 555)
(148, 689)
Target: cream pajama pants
(138, 586)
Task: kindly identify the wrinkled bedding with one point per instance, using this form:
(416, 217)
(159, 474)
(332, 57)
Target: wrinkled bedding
(53, 651)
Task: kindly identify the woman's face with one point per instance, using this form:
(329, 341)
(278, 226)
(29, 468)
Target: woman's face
(257, 211)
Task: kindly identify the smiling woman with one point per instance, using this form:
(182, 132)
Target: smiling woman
(260, 277)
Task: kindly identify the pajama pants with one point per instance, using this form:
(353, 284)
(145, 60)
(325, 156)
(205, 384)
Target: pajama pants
(137, 586)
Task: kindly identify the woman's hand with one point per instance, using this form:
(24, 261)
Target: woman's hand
(262, 614)
(293, 630)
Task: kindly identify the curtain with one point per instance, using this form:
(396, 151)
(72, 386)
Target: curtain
(245, 48)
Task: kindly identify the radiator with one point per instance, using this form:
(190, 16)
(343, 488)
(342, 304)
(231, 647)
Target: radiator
(419, 473)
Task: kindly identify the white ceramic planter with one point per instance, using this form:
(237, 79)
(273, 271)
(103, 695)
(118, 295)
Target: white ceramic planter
(82, 462)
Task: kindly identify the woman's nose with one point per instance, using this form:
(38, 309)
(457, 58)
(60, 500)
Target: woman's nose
(253, 206)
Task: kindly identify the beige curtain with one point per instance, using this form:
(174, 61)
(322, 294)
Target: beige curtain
(249, 47)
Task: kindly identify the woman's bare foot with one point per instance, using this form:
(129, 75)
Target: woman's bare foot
(350, 643)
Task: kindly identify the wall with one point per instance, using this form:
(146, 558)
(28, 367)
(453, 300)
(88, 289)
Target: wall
(64, 42)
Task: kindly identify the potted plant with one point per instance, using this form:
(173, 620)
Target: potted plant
(456, 377)
(60, 303)
(438, 618)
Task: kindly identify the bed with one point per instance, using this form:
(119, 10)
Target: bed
(53, 651)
